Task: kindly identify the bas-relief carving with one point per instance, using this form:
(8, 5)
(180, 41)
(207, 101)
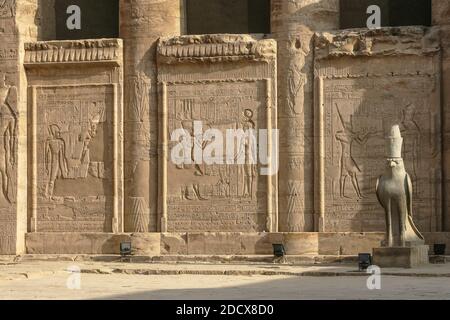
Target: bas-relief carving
(72, 51)
(74, 152)
(355, 121)
(8, 143)
(355, 112)
(140, 99)
(215, 48)
(202, 197)
(297, 77)
(8, 164)
(216, 197)
(138, 102)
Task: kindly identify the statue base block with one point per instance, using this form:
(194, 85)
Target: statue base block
(401, 257)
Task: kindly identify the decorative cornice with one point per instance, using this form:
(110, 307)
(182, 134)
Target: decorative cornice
(215, 48)
(395, 41)
(79, 51)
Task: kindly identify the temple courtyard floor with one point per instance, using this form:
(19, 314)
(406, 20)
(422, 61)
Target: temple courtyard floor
(81, 278)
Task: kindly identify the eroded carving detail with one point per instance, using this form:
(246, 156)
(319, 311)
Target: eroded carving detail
(213, 195)
(103, 50)
(7, 8)
(74, 149)
(8, 144)
(418, 41)
(214, 48)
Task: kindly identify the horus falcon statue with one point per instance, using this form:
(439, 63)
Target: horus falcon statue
(394, 192)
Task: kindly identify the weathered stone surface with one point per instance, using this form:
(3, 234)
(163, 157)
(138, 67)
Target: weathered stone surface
(211, 243)
(142, 23)
(17, 25)
(174, 243)
(349, 243)
(366, 81)
(293, 26)
(400, 257)
(76, 133)
(441, 12)
(223, 82)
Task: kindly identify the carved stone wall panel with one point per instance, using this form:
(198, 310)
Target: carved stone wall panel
(74, 141)
(359, 96)
(230, 90)
(75, 125)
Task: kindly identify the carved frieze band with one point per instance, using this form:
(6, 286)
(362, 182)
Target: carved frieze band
(377, 42)
(214, 48)
(102, 50)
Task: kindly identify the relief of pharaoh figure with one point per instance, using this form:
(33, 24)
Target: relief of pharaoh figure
(8, 130)
(55, 158)
(348, 166)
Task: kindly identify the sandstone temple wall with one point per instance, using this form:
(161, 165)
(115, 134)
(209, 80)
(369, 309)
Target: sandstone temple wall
(86, 131)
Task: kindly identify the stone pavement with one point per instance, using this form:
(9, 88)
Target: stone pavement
(46, 279)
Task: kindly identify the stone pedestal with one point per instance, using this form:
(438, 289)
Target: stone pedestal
(400, 257)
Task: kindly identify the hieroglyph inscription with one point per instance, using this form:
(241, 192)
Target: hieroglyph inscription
(356, 116)
(217, 197)
(8, 143)
(73, 148)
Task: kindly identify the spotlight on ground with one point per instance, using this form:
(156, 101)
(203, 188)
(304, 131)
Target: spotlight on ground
(278, 250)
(364, 261)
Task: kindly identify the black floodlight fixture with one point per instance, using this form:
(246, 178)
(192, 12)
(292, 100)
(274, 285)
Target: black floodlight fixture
(439, 249)
(364, 261)
(278, 250)
(125, 248)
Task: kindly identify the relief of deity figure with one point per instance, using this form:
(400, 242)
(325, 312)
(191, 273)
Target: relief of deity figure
(55, 158)
(248, 150)
(88, 136)
(7, 8)
(8, 130)
(348, 165)
(296, 84)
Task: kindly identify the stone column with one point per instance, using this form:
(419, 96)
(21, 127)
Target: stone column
(17, 22)
(293, 25)
(441, 17)
(142, 23)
